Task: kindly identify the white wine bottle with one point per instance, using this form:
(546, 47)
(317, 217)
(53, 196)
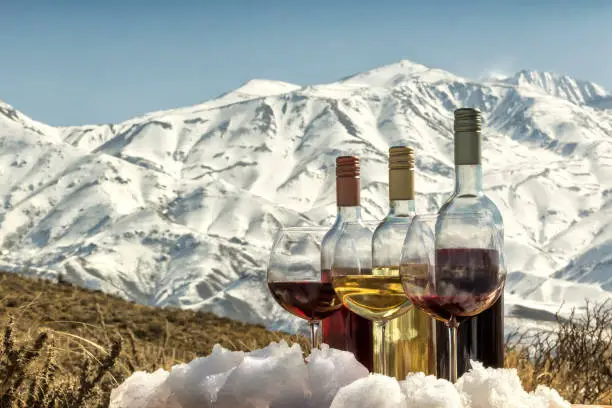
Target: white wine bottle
(409, 339)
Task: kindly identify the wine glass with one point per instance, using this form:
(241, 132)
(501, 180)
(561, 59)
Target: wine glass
(373, 293)
(452, 268)
(294, 277)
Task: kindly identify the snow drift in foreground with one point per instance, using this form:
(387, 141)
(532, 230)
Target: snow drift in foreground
(277, 376)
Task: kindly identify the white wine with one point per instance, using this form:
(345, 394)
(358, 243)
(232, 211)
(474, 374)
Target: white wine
(378, 296)
(409, 339)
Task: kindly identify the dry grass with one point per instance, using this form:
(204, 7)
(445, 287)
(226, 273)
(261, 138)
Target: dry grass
(576, 359)
(68, 347)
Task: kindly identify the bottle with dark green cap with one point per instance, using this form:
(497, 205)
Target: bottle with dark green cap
(480, 337)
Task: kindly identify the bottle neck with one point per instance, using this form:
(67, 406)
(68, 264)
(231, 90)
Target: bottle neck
(348, 214)
(468, 179)
(401, 208)
(401, 192)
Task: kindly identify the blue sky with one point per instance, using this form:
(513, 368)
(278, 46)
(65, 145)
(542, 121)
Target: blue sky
(76, 62)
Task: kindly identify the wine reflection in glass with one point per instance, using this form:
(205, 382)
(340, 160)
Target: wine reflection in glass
(453, 269)
(294, 277)
(373, 293)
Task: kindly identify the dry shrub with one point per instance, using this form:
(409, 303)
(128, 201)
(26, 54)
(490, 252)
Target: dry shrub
(575, 359)
(31, 379)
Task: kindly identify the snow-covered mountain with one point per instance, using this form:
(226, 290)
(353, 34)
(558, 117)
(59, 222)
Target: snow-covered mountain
(180, 207)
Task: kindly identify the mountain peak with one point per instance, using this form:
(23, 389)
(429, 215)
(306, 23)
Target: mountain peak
(251, 89)
(399, 72)
(265, 87)
(562, 86)
(12, 118)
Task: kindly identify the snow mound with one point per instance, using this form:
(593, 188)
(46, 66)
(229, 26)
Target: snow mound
(277, 376)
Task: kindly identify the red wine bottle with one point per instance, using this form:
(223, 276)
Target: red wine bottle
(344, 330)
(480, 337)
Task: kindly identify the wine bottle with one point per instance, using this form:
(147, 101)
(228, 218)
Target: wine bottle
(481, 337)
(345, 330)
(409, 338)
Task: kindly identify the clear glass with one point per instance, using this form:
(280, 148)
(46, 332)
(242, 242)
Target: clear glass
(456, 281)
(294, 277)
(386, 250)
(469, 198)
(345, 330)
(374, 294)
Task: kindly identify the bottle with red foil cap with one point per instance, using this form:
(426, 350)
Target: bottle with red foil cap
(345, 330)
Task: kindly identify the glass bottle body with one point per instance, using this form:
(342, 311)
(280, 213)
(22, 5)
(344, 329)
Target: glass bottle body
(345, 330)
(481, 337)
(408, 339)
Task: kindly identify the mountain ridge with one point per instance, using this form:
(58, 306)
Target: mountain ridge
(180, 207)
(525, 75)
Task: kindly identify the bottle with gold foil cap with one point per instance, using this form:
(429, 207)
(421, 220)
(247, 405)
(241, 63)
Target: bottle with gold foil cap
(408, 340)
(345, 330)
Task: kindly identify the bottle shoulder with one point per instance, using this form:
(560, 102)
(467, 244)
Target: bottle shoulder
(458, 204)
(331, 236)
(388, 240)
(327, 247)
(392, 221)
(465, 204)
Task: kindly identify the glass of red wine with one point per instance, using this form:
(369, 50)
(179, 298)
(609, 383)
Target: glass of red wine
(452, 268)
(295, 280)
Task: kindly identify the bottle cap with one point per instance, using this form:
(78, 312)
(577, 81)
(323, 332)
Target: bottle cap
(468, 125)
(347, 181)
(347, 166)
(468, 120)
(401, 157)
(401, 173)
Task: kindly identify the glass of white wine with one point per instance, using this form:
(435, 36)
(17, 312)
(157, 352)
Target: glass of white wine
(373, 293)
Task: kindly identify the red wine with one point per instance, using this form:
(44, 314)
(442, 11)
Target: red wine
(462, 307)
(481, 337)
(307, 300)
(348, 331)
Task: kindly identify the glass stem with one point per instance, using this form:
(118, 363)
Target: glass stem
(452, 349)
(382, 355)
(314, 333)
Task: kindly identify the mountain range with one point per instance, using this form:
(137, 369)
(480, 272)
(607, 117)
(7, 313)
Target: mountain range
(180, 207)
